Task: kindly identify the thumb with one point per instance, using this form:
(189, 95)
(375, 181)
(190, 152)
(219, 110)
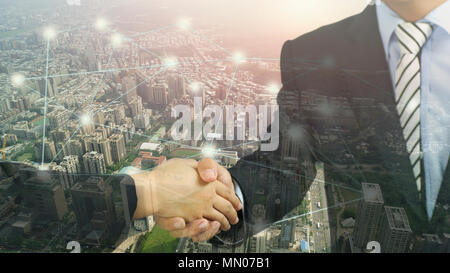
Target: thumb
(207, 168)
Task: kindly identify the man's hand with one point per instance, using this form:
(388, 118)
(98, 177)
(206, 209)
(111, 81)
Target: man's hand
(201, 229)
(175, 189)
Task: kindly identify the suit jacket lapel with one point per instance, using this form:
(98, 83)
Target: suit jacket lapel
(367, 75)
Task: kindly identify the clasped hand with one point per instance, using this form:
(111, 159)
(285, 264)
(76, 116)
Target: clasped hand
(188, 198)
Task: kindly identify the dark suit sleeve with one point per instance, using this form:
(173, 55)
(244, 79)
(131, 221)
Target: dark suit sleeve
(130, 191)
(275, 182)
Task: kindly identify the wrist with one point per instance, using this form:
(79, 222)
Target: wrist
(147, 198)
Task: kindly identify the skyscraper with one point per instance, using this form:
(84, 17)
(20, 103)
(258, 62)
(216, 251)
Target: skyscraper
(118, 150)
(395, 231)
(160, 94)
(101, 145)
(57, 119)
(61, 150)
(49, 150)
(74, 147)
(45, 197)
(136, 106)
(176, 87)
(93, 204)
(59, 135)
(94, 163)
(369, 215)
(128, 89)
(146, 91)
(52, 87)
(71, 164)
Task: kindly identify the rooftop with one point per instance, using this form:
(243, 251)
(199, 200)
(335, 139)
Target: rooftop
(372, 193)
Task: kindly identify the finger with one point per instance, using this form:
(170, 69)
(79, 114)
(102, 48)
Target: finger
(205, 236)
(226, 209)
(229, 195)
(193, 228)
(215, 215)
(191, 162)
(207, 168)
(170, 224)
(224, 176)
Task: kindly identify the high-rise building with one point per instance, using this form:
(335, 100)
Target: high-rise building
(142, 122)
(395, 231)
(59, 173)
(160, 94)
(72, 166)
(429, 243)
(119, 114)
(52, 87)
(49, 150)
(59, 135)
(94, 163)
(99, 118)
(291, 146)
(91, 59)
(287, 236)
(221, 93)
(57, 119)
(258, 242)
(198, 90)
(101, 145)
(93, 204)
(146, 91)
(135, 106)
(45, 197)
(128, 89)
(61, 150)
(74, 147)
(118, 150)
(5, 105)
(369, 215)
(176, 87)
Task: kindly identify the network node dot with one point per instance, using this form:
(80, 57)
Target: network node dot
(101, 24)
(195, 87)
(86, 119)
(273, 88)
(184, 23)
(49, 32)
(209, 151)
(170, 62)
(17, 79)
(116, 40)
(238, 57)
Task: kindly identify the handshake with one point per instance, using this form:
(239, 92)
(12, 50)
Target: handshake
(188, 198)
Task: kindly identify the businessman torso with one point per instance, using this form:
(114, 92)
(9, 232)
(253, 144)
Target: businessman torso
(338, 106)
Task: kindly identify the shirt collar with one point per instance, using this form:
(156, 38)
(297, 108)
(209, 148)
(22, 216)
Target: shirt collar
(440, 16)
(389, 19)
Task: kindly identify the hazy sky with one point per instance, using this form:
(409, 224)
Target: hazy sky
(287, 16)
(256, 23)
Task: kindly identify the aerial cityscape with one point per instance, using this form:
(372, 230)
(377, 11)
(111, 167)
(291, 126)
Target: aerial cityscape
(88, 95)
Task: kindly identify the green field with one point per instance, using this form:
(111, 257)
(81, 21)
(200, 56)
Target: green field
(157, 241)
(183, 153)
(39, 122)
(25, 156)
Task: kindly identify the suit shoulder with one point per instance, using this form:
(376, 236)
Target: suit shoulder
(322, 40)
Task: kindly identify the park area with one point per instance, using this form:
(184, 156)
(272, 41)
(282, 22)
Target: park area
(157, 241)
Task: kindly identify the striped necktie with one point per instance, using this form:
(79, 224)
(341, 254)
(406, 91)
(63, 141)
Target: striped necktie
(412, 37)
